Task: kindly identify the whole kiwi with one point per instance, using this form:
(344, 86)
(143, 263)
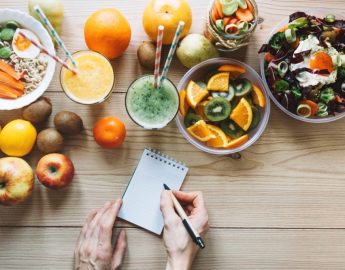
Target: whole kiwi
(50, 141)
(146, 54)
(38, 111)
(68, 123)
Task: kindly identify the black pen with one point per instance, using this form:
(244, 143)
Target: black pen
(192, 232)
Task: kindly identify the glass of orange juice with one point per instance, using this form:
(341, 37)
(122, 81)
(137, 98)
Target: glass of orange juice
(94, 80)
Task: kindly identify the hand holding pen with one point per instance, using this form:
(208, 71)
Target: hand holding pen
(179, 244)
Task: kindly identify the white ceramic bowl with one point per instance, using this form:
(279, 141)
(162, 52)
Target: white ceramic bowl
(198, 73)
(321, 13)
(28, 22)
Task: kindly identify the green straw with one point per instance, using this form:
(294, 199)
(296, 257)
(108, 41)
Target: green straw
(171, 52)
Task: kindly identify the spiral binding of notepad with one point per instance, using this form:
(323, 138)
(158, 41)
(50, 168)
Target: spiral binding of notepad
(167, 159)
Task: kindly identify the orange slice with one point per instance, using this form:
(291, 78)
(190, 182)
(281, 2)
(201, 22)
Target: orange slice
(234, 71)
(195, 94)
(201, 132)
(219, 82)
(183, 103)
(258, 97)
(237, 142)
(199, 109)
(220, 139)
(242, 114)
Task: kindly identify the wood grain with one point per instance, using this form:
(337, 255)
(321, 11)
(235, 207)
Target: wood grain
(226, 249)
(282, 206)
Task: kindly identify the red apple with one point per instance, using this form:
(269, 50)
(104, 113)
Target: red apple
(55, 171)
(16, 180)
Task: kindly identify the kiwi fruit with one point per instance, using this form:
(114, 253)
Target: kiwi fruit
(38, 111)
(50, 141)
(243, 87)
(256, 118)
(68, 123)
(191, 118)
(231, 129)
(217, 109)
(227, 95)
(146, 54)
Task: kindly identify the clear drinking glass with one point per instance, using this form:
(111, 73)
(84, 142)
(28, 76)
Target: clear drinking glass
(152, 108)
(95, 79)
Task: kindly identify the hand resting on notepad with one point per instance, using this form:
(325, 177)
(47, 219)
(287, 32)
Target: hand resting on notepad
(95, 251)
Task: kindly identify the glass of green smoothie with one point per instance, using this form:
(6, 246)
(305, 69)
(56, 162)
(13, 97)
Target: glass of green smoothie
(152, 108)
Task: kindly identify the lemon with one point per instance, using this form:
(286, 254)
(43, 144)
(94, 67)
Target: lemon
(17, 138)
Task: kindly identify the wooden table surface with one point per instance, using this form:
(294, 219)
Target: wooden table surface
(282, 206)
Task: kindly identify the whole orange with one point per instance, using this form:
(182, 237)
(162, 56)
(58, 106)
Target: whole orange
(108, 32)
(168, 13)
(109, 132)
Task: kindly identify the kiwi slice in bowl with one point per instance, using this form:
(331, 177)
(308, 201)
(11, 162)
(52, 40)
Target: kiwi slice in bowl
(191, 118)
(256, 118)
(227, 95)
(217, 109)
(231, 129)
(243, 87)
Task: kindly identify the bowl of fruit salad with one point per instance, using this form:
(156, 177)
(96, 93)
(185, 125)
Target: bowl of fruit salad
(303, 66)
(224, 107)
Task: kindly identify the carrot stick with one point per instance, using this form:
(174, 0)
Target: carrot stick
(219, 9)
(9, 70)
(227, 20)
(250, 6)
(10, 81)
(283, 28)
(244, 15)
(9, 92)
(214, 15)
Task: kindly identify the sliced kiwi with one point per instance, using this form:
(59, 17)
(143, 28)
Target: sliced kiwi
(227, 95)
(202, 84)
(243, 87)
(256, 118)
(231, 129)
(217, 109)
(191, 118)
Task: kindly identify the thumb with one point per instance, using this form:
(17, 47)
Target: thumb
(119, 251)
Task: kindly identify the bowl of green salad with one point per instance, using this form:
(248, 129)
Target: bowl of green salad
(303, 66)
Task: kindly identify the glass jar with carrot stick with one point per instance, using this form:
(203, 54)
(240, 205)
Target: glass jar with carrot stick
(230, 23)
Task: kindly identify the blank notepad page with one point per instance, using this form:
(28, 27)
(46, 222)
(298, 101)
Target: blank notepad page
(141, 199)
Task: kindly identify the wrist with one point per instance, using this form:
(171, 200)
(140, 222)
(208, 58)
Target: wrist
(179, 264)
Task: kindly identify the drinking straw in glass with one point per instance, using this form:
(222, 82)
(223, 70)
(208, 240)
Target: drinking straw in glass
(172, 51)
(158, 55)
(44, 50)
(53, 32)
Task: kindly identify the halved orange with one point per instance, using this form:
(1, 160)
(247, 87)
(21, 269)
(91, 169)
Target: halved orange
(238, 142)
(183, 103)
(195, 94)
(221, 139)
(201, 132)
(233, 70)
(242, 114)
(258, 97)
(199, 109)
(219, 82)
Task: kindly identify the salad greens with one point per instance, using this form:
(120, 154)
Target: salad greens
(301, 82)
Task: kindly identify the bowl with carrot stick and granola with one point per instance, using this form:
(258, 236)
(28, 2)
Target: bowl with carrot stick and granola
(25, 72)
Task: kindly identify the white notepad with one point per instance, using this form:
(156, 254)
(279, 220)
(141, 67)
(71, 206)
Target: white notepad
(141, 198)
